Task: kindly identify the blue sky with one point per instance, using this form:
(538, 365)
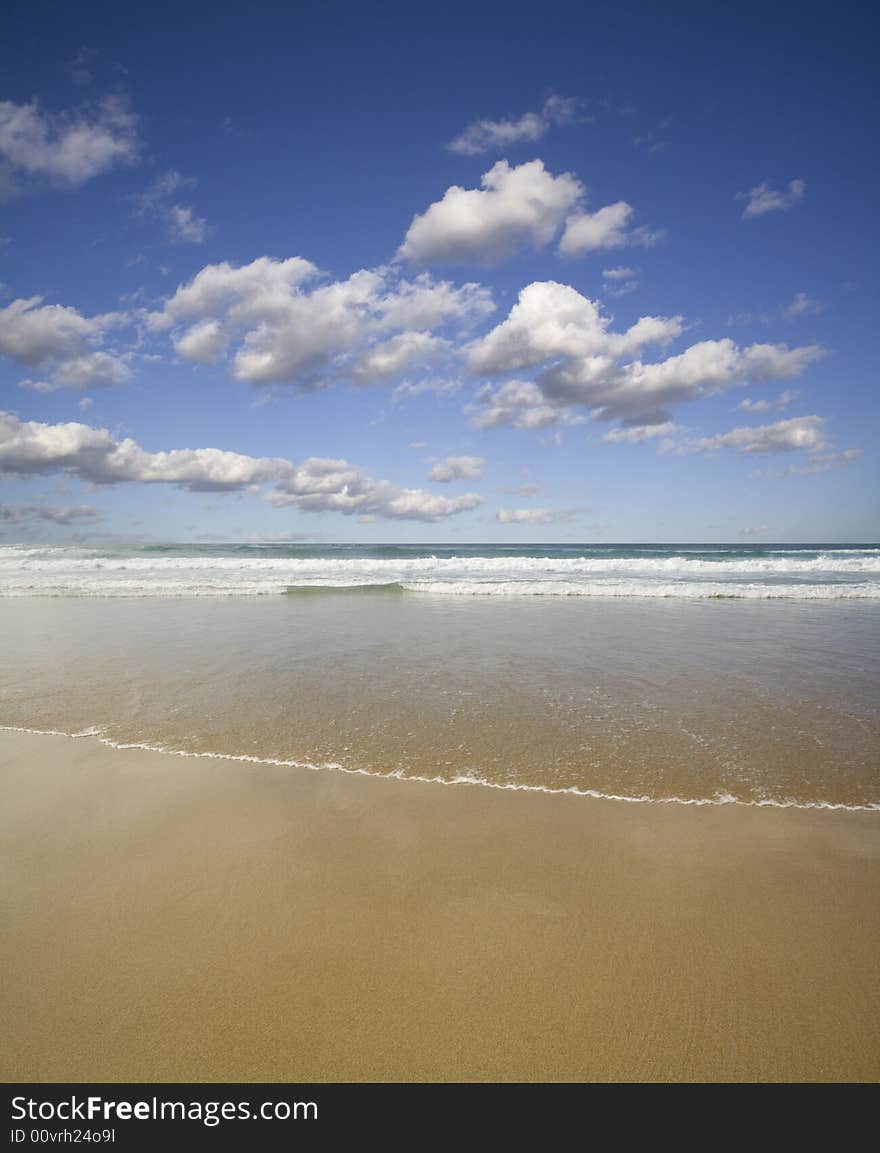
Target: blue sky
(354, 272)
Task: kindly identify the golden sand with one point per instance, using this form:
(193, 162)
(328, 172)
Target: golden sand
(185, 919)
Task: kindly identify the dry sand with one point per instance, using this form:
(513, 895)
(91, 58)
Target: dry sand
(180, 919)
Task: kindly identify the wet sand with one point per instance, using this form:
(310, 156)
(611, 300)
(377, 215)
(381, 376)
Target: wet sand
(169, 918)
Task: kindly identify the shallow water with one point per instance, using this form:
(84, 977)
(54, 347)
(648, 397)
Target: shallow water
(763, 701)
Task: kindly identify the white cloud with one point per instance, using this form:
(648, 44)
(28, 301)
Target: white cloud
(755, 530)
(422, 303)
(583, 362)
(516, 208)
(68, 147)
(763, 199)
(184, 226)
(181, 224)
(62, 340)
(552, 321)
(320, 485)
(638, 433)
(391, 357)
(495, 135)
(24, 513)
(95, 456)
(534, 515)
(516, 404)
(33, 333)
(458, 468)
(91, 370)
(608, 227)
(803, 305)
(621, 272)
(204, 342)
(792, 435)
(278, 329)
(779, 404)
(247, 295)
(619, 281)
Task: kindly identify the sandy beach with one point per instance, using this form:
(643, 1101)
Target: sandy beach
(172, 918)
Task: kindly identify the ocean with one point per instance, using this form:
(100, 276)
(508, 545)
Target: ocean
(679, 674)
(811, 571)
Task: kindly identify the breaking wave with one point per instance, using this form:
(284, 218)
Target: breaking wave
(809, 572)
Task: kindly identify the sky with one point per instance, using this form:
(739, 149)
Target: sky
(479, 272)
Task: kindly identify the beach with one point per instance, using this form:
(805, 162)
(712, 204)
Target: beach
(173, 918)
(311, 813)
(439, 557)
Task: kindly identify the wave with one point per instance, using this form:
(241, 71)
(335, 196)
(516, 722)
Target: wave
(311, 590)
(634, 589)
(473, 781)
(652, 590)
(813, 572)
(36, 561)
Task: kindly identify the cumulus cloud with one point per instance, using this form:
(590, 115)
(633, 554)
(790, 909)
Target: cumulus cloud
(535, 515)
(179, 220)
(67, 147)
(552, 321)
(763, 199)
(61, 340)
(516, 208)
(26, 513)
(95, 456)
(793, 435)
(608, 227)
(320, 485)
(422, 303)
(204, 342)
(391, 357)
(495, 135)
(278, 322)
(458, 468)
(582, 362)
(516, 404)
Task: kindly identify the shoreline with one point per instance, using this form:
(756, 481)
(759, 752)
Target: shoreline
(96, 734)
(250, 921)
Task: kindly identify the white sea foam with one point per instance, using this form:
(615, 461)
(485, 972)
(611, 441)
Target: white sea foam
(809, 574)
(467, 779)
